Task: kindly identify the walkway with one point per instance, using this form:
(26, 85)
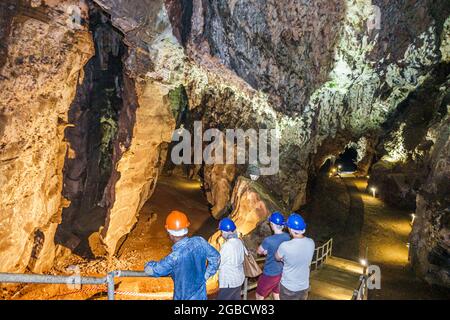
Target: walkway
(149, 240)
(385, 232)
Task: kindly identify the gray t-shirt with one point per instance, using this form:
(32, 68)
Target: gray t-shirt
(297, 255)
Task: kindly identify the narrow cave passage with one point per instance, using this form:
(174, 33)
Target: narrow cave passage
(94, 115)
(346, 161)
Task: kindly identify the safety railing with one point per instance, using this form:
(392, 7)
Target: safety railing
(321, 254)
(362, 292)
(74, 280)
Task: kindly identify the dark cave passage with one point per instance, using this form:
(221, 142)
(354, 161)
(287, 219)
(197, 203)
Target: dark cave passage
(95, 115)
(346, 161)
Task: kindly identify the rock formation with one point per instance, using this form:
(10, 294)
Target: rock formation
(323, 74)
(39, 76)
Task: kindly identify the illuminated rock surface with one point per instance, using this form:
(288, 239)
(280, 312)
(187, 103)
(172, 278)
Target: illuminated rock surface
(318, 72)
(38, 80)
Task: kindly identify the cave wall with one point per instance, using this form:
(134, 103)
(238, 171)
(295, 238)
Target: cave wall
(38, 79)
(153, 66)
(430, 238)
(366, 74)
(94, 116)
(376, 87)
(317, 72)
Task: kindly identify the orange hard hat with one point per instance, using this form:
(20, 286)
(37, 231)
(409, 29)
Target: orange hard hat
(177, 220)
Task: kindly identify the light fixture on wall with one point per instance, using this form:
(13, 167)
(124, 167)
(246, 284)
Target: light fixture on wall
(374, 191)
(254, 172)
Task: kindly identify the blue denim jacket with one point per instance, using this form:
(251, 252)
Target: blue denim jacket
(187, 266)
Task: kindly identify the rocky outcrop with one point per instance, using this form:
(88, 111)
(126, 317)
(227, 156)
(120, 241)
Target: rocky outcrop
(44, 61)
(218, 185)
(139, 165)
(285, 49)
(153, 66)
(252, 205)
(430, 239)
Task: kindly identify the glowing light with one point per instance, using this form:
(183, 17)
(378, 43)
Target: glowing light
(181, 129)
(413, 218)
(374, 191)
(363, 262)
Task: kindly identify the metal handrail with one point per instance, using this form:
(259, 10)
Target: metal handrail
(362, 292)
(321, 254)
(318, 259)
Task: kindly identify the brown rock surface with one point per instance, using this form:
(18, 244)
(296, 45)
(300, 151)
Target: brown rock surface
(252, 204)
(139, 166)
(38, 82)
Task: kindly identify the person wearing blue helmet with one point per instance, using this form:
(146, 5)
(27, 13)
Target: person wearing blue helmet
(269, 281)
(231, 268)
(296, 256)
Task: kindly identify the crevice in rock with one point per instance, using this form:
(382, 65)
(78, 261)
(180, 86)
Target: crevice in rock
(94, 131)
(38, 243)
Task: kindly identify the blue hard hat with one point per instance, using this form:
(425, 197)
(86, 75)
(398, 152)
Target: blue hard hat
(277, 218)
(227, 225)
(296, 222)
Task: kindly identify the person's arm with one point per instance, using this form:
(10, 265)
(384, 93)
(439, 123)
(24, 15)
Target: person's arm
(279, 255)
(213, 257)
(162, 268)
(261, 249)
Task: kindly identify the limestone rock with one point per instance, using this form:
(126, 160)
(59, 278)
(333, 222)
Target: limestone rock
(252, 204)
(430, 239)
(38, 82)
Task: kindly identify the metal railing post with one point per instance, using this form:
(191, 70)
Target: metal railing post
(110, 282)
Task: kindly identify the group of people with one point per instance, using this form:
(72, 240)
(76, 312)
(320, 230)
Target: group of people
(193, 260)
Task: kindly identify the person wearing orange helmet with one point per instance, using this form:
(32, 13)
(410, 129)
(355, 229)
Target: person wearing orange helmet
(190, 264)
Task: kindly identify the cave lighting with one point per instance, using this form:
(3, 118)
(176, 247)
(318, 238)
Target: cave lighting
(374, 191)
(413, 218)
(363, 262)
(181, 129)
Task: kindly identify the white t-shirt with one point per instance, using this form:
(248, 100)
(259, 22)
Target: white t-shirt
(297, 255)
(231, 268)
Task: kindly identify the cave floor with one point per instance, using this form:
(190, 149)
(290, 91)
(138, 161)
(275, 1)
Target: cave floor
(385, 233)
(342, 209)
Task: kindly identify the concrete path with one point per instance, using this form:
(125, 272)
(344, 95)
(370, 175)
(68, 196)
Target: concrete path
(335, 280)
